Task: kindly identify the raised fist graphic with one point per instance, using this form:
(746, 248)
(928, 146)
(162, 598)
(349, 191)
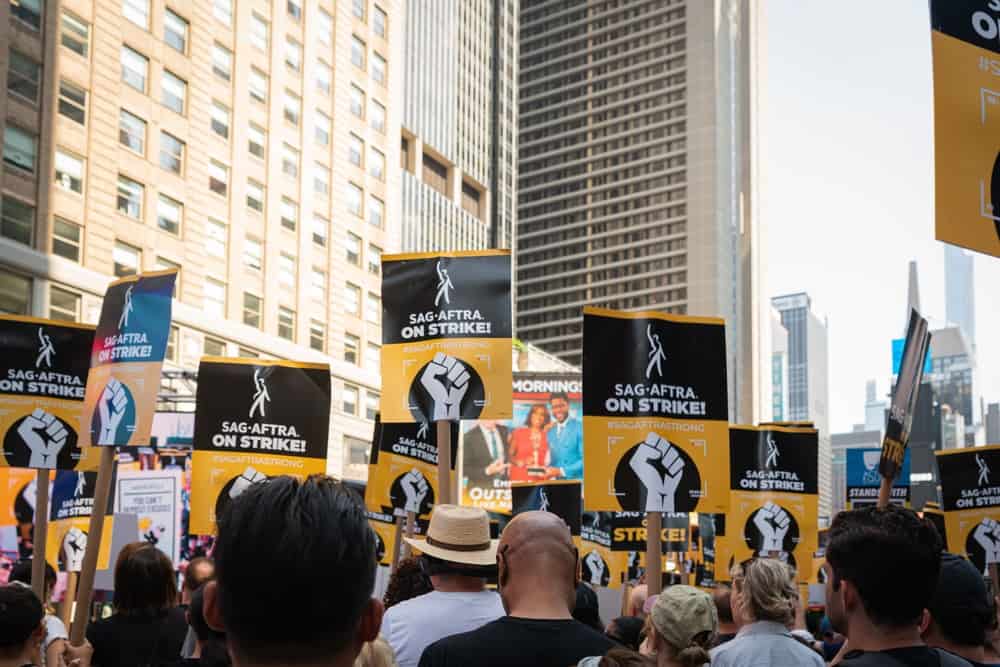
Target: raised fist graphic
(74, 546)
(44, 436)
(245, 480)
(773, 522)
(595, 564)
(660, 488)
(415, 489)
(111, 408)
(987, 535)
(446, 380)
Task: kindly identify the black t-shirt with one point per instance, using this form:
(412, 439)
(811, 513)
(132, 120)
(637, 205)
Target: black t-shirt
(137, 641)
(518, 641)
(912, 656)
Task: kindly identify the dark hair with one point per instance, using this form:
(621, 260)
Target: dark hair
(20, 615)
(213, 649)
(191, 579)
(876, 549)
(558, 394)
(587, 609)
(315, 535)
(531, 411)
(408, 581)
(627, 631)
(723, 597)
(144, 580)
(22, 572)
(622, 657)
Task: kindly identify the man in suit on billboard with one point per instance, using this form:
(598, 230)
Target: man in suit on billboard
(565, 438)
(486, 453)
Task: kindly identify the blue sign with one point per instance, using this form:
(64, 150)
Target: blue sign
(897, 356)
(862, 468)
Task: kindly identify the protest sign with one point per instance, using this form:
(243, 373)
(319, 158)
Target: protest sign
(72, 505)
(254, 419)
(724, 558)
(386, 535)
(18, 489)
(446, 336)
(655, 412)
(775, 494)
(705, 571)
(403, 477)
(599, 565)
(629, 531)
(932, 512)
(970, 495)
(154, 496)
(967, 122)
(560, 497)
(863, 478)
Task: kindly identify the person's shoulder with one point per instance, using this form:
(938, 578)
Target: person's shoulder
(55, 628)
(460, 648)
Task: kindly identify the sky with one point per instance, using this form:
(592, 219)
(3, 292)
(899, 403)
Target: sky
(847, 194)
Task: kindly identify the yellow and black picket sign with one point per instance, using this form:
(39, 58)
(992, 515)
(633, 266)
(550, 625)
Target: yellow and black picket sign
(933, 513)
(446, 336)
(774, 509)
(254, 419)
(965, 40)
(43, 377)
(655, 412)
(561, 497)
(385, 535)
(970, 494)
(628, 531)
(69, 521)
(599, 565)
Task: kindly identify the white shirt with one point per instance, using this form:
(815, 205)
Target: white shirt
(54, 629)
(493, 442)
(412, 626)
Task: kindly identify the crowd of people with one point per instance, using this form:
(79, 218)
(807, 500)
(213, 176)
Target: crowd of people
(293, 574)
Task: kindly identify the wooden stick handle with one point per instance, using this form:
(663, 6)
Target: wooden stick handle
(397, 544)
(884, 493)
(39, 534)
(89, 569)
(654, 563)
(444, 462)
(69, 598)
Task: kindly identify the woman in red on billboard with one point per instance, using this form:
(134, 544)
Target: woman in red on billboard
(529, 448)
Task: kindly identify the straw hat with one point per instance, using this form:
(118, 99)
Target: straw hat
(458, 535)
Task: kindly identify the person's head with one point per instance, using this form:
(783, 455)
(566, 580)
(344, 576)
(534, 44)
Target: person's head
(882, 568)
(960, 613)
(723, 599)
(587, 610)
(458, 553)
(22, 626)
(144, 580)
(488, 424)
(637, 600)
(626, 630)
(22, 572)
(763, 590)
(211, 643)
(198, 571)
(560, 406)
(408, 581)
(538, 416)
(536, 559)
(377, 653)
(618, 657)
(316, 535)
(683, 624)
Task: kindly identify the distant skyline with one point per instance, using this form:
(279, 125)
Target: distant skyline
(848, 187)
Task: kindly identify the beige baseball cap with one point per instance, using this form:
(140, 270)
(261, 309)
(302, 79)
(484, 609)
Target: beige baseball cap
(681, 613)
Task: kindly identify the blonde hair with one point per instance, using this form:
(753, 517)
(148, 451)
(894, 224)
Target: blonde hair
(766, 590)
(377, 653)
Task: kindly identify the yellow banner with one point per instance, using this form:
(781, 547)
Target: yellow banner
(970, 495)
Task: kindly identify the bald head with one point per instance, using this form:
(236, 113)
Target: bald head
(537, 562)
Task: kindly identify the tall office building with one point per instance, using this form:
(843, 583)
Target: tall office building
(247, 144)
(953, 376)
(779, 368)
(459, 135)
(808, 381)
(875, 409)
(638, 170)
(992, 420)
(959, 288)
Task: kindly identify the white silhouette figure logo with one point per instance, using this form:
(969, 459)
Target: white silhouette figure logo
(45, 349)
(984, 471)
(656, 354)
(74, 546)
(595, 564)
(772, 453)
(422, 430)
(415, 489)
(260, 396)
(111, 408)
(773, 523)
(544, 497)
(44, 436)
(81, 482)
(444, 284)
(446, 380)
(660, 487)
(126, 309)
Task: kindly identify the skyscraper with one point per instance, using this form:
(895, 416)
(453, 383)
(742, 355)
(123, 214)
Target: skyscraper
(638, 170)
(992, 420)
(459, 137)
(953, 376)
(808, 392)
(959, 288)
(247, 144)
(779, 368)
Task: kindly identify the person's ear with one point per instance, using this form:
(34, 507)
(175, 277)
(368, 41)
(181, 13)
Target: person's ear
(38, 636)
(212, 607)
(925, 622)
(849, 595)
(371, 621)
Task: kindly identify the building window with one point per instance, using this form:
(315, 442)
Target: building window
(127, 259)
(324, 126)
(289, 214)
(374, 259)
(72, 102)
(130, 195)
(321, 180)
(358, 451)
(19, 148)
(286, 323)
(17, 220)
(355, 199)
(352, 299)
(220, 119)
(222, 62)
(171, 153)
(251, 310)
(404, 155)
(373, 308)
(222, 10)
(349, 400)
(135, 69)
(28, 12)
(356, 150)
(258, 86)
(293, 54)
(131, 132)
(166, 265)
(352, 249)
(63, 305)
(253, 254)
(170, 354)
(15, 294)
(317, 335)
(471, 200)
(69, 172)
(357, 101)
(376, 164)
(257, 140)
(213, 347)
(371, 405)
(378, 68)
(378, 117)
(289, 161)
(175, 31)
(255, 196)
(294, 10)
(375, 212)
(320, 229)
(286, 271)
(75, 34)
(23, 75)
(435, 174)
(293, 108)
(358, 9)
(136, 11)
(218, 178)
(65, 239)
(169, 215)
(352, 349)
(380, 22)
(174, 92)
(217, 237)
(373, 358)
(357, 52)
(244, 353)
(324, 77)
(215, 298)
(317, 284)
(258, 32)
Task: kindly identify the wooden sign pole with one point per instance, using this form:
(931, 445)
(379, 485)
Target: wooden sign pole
(68, 598)
(397, 544)
(39, 534)
(654, 562)
(884, 493)
(89, 569)
(444, 463)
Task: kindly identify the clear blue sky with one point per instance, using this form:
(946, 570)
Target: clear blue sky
(848, 194)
